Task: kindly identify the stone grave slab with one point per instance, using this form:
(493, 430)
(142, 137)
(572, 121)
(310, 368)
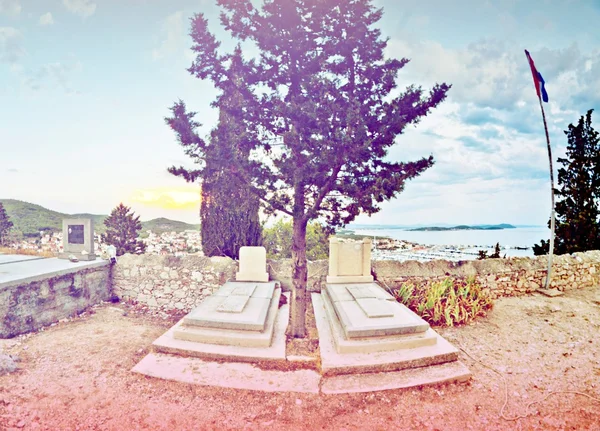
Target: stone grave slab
(374, 316)
(240, 307)
(231, 337)
(242, 346)
(370, 344)
(253, 264)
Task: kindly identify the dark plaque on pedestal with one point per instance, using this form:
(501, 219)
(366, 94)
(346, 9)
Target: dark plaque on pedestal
(76, 234)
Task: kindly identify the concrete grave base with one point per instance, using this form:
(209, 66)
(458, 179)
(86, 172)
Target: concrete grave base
(334, 363)
(233, 350)
(270, 369)
(233, 337)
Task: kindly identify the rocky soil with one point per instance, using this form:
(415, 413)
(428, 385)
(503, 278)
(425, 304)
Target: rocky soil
(532, 360)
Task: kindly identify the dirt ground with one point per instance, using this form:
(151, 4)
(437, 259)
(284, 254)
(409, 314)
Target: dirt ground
(76, 375)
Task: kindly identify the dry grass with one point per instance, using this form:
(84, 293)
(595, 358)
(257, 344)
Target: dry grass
(26, 251)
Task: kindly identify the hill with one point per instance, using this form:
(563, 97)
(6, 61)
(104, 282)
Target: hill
(160, 225)
(30, 219)
(466, 227)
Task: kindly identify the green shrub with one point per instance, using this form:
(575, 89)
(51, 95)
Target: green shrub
(277, 239)
(446, 302)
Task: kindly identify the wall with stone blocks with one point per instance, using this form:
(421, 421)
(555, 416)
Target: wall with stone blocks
(503, 277)
(30, 306)
(180, 283)
(172, 283)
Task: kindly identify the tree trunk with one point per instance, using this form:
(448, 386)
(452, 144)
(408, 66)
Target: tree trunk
(299, 278)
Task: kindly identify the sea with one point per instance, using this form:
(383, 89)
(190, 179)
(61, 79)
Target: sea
(466, 240)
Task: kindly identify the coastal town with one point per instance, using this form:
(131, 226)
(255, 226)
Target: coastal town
(190, 242)
(166, 243)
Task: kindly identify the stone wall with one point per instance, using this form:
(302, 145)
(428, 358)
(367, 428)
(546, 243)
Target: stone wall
(30, 306)
(180, 283)
(503, 277)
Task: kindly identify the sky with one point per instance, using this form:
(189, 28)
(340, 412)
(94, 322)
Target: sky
(85, 86)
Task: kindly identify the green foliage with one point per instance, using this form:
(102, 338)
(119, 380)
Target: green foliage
(318, 110)
(446, 302)
(277, 239)
(5, 226)
(122, 230)
(483, 254)
(578, 192)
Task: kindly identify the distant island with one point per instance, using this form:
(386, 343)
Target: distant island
(30, 219)
(465, 227)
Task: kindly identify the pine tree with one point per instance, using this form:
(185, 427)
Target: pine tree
(122, 231)
(228, 210)
(5, 225)
(319, 113)
(578, 192)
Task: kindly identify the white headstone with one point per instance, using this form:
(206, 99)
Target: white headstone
(253, 264)
(349, 261)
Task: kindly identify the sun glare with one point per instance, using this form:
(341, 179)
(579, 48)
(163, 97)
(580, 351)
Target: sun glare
(168, 198)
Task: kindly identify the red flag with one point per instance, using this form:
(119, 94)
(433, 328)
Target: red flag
(538, 81)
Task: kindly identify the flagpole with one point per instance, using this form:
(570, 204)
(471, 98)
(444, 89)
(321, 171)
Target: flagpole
(551, 245)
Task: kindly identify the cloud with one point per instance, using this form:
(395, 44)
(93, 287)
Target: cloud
(169, 198)
(11, 49)
(46, 19)
(12, 170)
(494, 74)
(173, 36)
(57, 73)
(10, 7)
(83, 8)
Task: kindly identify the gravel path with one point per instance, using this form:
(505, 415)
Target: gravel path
(76, 376)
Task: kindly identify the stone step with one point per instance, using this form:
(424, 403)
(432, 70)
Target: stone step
(168, 343)
(231, 337)
(334, 363)
(373, 344)
(235, 375)
(450, 372)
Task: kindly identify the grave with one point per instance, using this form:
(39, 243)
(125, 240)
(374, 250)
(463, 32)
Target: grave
(78, 239)
(239, 318)
(367, 340)
(363, 329)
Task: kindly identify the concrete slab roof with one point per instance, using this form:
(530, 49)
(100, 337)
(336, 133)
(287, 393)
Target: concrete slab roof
(30, 270)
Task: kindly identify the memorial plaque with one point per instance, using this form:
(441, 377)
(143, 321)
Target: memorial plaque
(374, 307)
(76, 234)
(361, 291)
(233, 304)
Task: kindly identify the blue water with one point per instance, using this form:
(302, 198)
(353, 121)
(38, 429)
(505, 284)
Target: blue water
(476, 239)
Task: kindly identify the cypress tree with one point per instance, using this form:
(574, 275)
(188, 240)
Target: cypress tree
(5, 225)
(228, 210)
(122, 231)
(578, 192)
